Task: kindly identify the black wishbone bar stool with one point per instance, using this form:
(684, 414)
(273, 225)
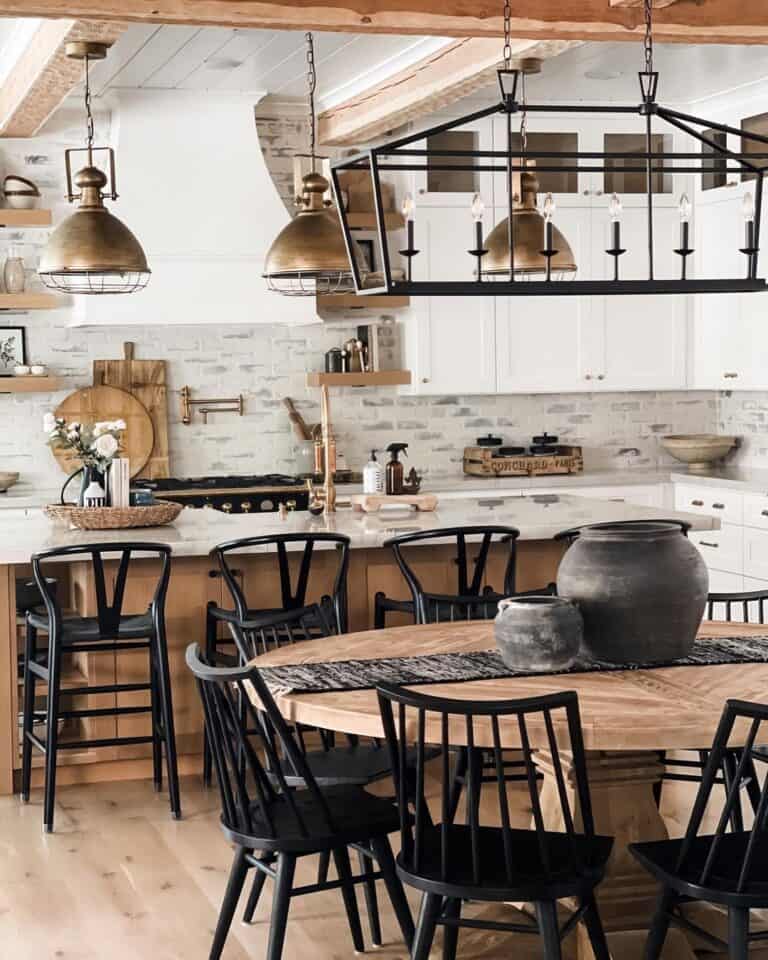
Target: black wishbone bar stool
(572, 534)
(729, 869)
(748, 607)
(478, 860)
(474, 599)
(110, 631)
(271, 824)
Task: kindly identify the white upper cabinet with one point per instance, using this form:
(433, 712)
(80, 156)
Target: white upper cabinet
(454, 188)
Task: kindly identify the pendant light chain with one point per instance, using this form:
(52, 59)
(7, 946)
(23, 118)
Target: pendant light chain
(89, 136)
(311, 86)
(648, 38)
(507, 35)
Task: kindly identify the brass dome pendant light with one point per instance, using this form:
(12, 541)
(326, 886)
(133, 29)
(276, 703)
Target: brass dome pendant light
(92, 252)
(309, 255)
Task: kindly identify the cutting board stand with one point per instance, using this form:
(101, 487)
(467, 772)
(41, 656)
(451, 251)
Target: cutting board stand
(146, 380)
(373, 502)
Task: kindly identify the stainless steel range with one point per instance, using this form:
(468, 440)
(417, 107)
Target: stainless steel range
(258, 493)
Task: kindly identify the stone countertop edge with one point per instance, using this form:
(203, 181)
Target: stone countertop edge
(196, 532)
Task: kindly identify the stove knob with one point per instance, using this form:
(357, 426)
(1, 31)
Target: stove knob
(291, 504)
(227, 507)
(207, 506)
(245, 506)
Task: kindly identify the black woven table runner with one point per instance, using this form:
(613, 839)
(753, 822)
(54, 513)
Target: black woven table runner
(337, 675)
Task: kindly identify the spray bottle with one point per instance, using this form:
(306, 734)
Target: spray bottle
(394, 472)
(373, 475)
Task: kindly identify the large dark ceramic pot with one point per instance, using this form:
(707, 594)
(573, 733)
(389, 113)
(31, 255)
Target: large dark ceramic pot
(641, 589)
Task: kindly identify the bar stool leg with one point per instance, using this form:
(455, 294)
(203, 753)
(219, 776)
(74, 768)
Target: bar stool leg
(157, 724)
(52, 730)
(166, 707)
(30, 653)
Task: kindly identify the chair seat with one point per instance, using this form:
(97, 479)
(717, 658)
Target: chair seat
(356, 765)
(660, 858)
(356, 817)
(86, 629)
(527, 880)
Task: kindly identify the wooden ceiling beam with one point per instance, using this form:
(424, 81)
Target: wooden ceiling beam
(43, 76)
(657, 4)
(455, 71)
(688, 21)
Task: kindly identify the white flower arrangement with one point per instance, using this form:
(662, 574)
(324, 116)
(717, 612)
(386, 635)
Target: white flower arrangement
(94, 445)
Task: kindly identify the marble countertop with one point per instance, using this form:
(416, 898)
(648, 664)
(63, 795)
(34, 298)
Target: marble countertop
(746, 479)
(196, 532)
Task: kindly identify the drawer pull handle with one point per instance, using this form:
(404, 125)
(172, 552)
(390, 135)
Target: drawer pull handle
(718, 506)
(731, 376)
(764, 513)
(697, 503)
(708, 543)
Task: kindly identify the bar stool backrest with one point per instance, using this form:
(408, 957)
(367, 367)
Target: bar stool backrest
(109, 609)
(712, 862)
(474, 599)
(293, 593)
(235, 727)
(410, 717)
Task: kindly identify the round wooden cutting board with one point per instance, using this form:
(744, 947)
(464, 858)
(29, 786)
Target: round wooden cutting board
(94, 404)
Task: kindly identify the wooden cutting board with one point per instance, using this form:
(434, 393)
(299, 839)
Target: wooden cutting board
(92, 404)
(146, 380)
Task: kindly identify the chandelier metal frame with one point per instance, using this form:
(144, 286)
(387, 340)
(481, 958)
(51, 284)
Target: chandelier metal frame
(403, 155)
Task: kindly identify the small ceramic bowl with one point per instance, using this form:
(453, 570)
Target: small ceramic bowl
(38, 370)
(21, 370)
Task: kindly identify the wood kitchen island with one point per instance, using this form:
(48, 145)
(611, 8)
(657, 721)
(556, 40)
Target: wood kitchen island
(195, 583)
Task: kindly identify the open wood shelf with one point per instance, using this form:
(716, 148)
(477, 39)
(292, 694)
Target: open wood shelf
(378, 378)
(29, 384)
(367, 221)
(29, 301)
(24, 218)
(346, 301)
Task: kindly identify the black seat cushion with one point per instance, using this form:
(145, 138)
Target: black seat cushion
(355, 815)
(357, 763)
(660, 857)
(132, 627)
(527, 877)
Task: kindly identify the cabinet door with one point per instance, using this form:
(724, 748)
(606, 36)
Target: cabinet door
(539, 340)
(636, 342)
(451, 341)
(447, 188)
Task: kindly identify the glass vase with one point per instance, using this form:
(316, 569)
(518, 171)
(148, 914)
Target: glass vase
(14, 278)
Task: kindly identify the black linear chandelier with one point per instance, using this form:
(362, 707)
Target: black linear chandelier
(526, 245)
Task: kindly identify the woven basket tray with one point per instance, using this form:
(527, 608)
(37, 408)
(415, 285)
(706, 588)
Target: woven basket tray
(115, 518)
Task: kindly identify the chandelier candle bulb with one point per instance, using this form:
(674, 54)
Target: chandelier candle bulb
(748, 208)
(478, 209)
(615, 209)
(549, 209)
(408, 210)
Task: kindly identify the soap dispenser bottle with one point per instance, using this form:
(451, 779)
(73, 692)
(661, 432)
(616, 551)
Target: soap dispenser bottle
(394, 473)
(373, 475)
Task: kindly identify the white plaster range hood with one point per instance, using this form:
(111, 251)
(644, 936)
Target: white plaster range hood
(195, 189)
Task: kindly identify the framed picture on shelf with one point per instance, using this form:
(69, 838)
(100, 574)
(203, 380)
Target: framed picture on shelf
(366, 250)
(13, 349)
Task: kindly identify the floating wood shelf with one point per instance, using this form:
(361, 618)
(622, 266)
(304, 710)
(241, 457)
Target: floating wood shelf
(29, 384)
(28, 301)
(346, 301)
(24, 218)
(379, 378)
(367, 221)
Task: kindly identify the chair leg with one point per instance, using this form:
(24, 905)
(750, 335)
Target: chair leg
(166, 708)
(660, 782)
(386, 861)
(371, 901)
(229, 904)
(451, 933)
(52, 731)
(729, 774)
(210, 650)
(344, 870)
(379, 613)
(595, 931)
(546, 914)
(258, 885)
(738, 933)
(281, 901)
(657, 932)
(323, 864)
(157, 742)
(425, 928)
(30, 652)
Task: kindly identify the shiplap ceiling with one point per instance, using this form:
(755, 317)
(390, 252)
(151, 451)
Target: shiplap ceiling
(216, 58)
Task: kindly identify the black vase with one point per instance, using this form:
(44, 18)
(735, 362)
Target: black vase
(89, 475)
(641, 588)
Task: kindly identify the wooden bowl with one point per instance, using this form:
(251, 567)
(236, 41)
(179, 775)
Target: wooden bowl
(7, 480)
(698, 450)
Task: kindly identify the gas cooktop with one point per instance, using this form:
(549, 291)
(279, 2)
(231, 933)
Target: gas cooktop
(257, 481)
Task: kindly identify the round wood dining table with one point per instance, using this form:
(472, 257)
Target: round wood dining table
(627, 717)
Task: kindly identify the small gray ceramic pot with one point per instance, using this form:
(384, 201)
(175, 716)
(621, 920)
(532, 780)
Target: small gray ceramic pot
(538, 634)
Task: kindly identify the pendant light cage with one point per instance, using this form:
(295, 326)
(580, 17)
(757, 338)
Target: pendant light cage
(92, 251)
(525, 254)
